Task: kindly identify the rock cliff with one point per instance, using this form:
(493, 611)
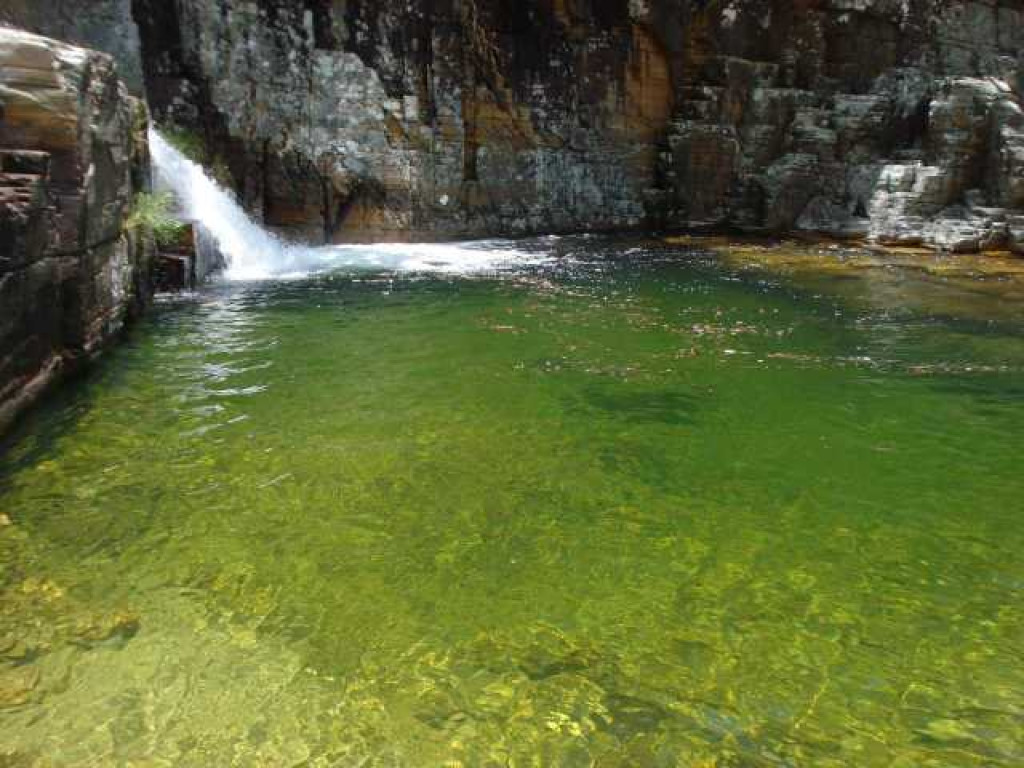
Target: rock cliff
(894, 120)
(72, 156)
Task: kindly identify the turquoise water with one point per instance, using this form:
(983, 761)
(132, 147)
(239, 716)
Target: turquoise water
(636, 507)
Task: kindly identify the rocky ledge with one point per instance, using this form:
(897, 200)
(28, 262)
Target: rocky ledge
(72, 157)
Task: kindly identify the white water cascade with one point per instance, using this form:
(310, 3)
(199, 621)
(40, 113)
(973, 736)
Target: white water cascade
(252, 253)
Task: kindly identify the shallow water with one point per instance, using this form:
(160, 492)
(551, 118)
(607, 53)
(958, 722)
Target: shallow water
(637, 506)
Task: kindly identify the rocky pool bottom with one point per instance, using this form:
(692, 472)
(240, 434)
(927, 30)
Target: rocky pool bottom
(646, 504)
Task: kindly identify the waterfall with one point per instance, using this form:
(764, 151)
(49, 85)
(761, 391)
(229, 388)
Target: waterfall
(249, 250)
(252, 253)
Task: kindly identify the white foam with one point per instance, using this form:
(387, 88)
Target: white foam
(252, 253)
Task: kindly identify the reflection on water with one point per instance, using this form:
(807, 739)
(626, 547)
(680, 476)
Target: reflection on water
(634, 506)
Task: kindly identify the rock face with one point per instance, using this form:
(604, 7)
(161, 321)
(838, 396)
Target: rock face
(895, 120)
(898, 121)
(72, 156)
(437, 119)
(104, 25)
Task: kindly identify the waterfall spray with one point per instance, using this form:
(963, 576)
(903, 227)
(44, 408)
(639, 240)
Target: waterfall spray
(252, 253)
(248, 249)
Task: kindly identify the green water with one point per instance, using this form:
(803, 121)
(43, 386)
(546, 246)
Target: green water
(634, 509)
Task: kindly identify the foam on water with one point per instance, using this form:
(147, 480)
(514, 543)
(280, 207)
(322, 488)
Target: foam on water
(252, 253)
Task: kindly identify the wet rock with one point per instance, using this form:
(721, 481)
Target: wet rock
(187, 262)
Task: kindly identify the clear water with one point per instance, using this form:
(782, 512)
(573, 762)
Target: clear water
(633, 507)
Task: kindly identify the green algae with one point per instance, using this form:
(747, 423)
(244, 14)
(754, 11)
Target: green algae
(647, 508)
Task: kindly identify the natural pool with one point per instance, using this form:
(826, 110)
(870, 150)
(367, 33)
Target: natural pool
(641, 505)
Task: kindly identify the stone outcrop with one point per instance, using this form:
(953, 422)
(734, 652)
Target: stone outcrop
(103, 25)
(187, 262)
(894, 120)
(72, 156)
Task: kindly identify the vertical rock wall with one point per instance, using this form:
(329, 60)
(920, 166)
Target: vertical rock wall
(894, 120)
(442, 119)
(897, 120)
(72, 156)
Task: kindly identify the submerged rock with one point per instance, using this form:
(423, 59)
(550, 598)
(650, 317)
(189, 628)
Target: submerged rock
(117, 629)
(17, 684)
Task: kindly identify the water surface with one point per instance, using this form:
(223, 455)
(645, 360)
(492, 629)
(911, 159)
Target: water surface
(636, 506)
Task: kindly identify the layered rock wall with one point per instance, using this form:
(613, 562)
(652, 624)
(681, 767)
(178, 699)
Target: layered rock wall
(103, 25)
(897, 120)
(434, 119)
(72, 157)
